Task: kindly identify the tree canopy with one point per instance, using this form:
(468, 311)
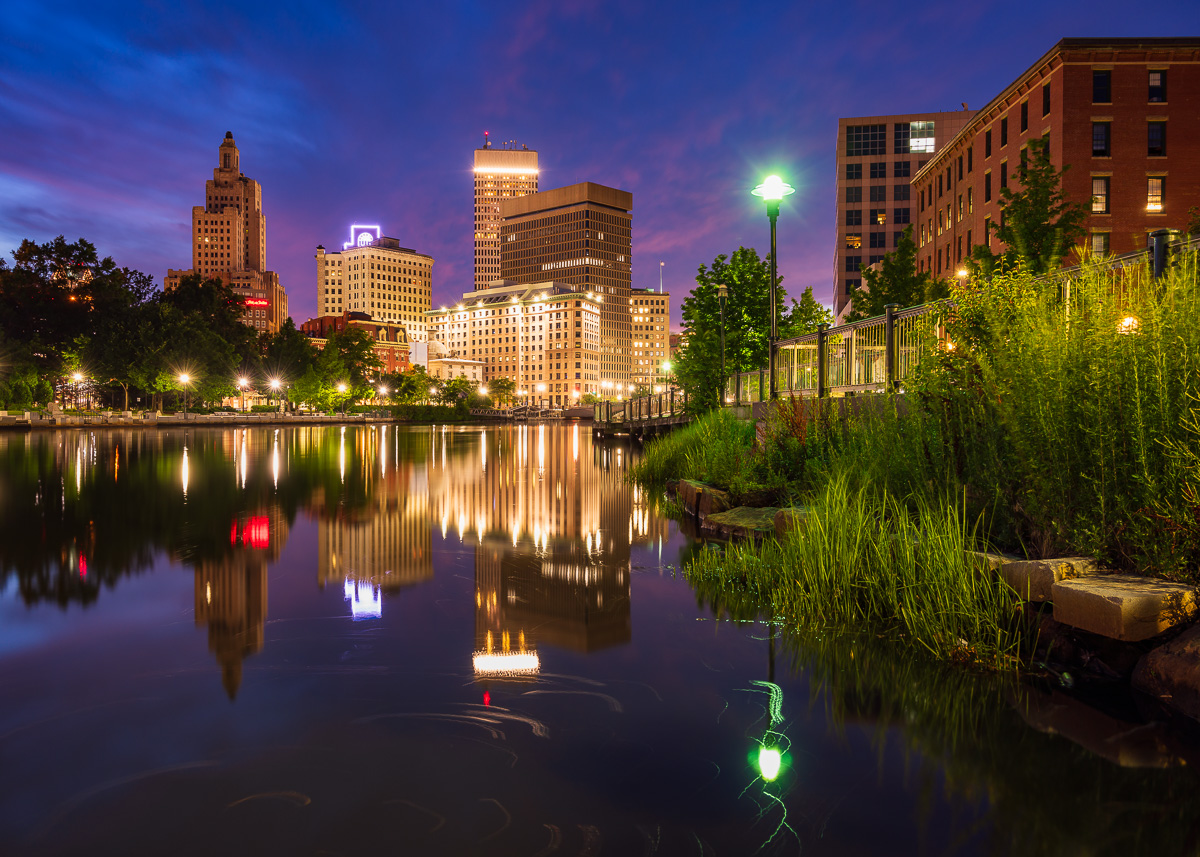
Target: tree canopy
(896, 282)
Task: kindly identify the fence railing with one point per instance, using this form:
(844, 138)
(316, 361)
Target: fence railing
(654, 406)
(870, 355)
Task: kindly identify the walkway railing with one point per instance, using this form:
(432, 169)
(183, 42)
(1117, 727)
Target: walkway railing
(655, 406)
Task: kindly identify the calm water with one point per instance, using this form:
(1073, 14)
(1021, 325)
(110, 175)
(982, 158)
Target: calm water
(473, 641)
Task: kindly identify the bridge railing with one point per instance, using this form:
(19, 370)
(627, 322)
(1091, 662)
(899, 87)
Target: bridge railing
(671, 403)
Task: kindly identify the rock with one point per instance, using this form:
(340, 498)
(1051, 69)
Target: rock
(712, 500)
(760, 497)
(1035, 578)
(689, 495)
(993, 561)
(1171, 673)
(791, 518)
(672, 486)
(744, 522)
(1130, 745)
(1121, 606)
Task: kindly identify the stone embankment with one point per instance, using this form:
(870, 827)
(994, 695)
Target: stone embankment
(1119, 626)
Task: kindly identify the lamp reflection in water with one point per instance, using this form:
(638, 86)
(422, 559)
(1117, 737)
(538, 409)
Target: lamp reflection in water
(366, 599)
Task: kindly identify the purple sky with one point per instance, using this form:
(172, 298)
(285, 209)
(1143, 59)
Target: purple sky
(112, 114)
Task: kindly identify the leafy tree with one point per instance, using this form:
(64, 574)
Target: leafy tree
(287, 353)
(697, 367)
(897, 282)
(1039, 225)
(804, 316)
(502, 389)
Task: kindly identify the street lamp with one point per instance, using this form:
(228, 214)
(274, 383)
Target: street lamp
(77, 378)
(341, 388)
(772, 190)
(242, 387)
(184, 378)
(274, 388)
(722, 295)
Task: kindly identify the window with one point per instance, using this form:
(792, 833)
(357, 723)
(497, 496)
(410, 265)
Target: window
(1004, 131)
(901, 215)
(987, 186)
(1046, 98)
(854, 217)
(1101, 132)
(901, 192)
(854, 194)
(1101, 87)
(851, 285)
(970, 158)
(1100, 194)
(854, 263)
(987, 231)
(878, 193)
(939, 185)
(1156, 139)
(873, 259)
(862, 140)
(902, 169)
(853, 172)
(960, 168)
(1158, 87)
(879, 170)
(1099, 243)
(921, 137)
(1155, 189)
(853, 242)
(896, 236)
(1024, 116)
(878, 217)
(1003, 174)
(987, 143)
(960, 207)
(878, 239)
(970, 200)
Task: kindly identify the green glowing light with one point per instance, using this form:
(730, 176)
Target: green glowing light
(773, 188)
(770, 760)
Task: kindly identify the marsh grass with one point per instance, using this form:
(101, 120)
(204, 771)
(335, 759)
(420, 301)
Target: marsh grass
(864, 559)
(713, 448)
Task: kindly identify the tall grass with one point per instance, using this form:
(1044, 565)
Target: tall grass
(714, 448)
(864, 558)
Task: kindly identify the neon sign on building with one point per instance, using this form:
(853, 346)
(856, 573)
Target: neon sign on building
(361, 236)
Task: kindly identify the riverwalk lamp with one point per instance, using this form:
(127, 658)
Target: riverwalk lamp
(722, 296)
(772, 190)
(242, 382)
(341, 388)
(184, 380)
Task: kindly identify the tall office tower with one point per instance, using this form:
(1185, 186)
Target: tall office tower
(229, 242)
(877, 156)
(580, 235)
(373, 274)
(1099, 105)
(500, 174)
(650, 317)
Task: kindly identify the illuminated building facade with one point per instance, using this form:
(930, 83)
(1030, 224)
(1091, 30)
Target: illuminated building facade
(582, 236)
(877, 156)
(500, 174)
(372, 274)
(1121, 112)
(545, 336)
(391, 343)
(650, 322)
(229, 242)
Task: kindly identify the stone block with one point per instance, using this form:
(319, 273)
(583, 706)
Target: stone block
(744, 522)
(1171, 673)
(992, 561)
(1035, 578)
(712, 500)
(786, 520)
(1121, 606)
(689, 495)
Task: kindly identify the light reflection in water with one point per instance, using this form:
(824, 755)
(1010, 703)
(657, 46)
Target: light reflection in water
(366, 600)
(185, 471)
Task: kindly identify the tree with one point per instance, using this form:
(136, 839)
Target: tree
(804, 316)
(697, 368)
(287, 353)
(896, 282)
(502, 389)
(1039, 225)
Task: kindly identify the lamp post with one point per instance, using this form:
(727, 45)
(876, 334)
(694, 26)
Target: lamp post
(77, 378)
(184, 379)
(722, 295)
(341, 388)
(242, 389)
(772, 190)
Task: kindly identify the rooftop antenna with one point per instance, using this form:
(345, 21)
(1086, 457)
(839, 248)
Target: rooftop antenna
(660, 272)
(487, 143)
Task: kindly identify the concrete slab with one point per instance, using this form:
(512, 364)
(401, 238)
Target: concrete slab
(1034, 579)
(1171, 673)
(992, 561)
(1121, 606)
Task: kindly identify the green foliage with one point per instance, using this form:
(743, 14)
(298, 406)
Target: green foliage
(897, 282)
(712, 449)
(804, 316)
(502, 390)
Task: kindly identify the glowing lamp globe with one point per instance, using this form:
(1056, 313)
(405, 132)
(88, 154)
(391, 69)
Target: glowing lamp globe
(341, 388)
(769, 762)
(183, 379)
(773, 188)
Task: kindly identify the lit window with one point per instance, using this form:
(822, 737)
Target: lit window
(1100, 194)
(1155, 186)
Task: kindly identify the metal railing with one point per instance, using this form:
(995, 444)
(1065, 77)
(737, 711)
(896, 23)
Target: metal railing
(655, 406)
(871, 355)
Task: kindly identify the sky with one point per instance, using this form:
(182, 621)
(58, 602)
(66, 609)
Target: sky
(111, 115)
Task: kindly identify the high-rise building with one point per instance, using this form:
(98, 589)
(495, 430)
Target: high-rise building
(373, 274)
(1102, 106)
(580, 235)
(500, 174)
(877, 156)
(650, 318)
(229, 242)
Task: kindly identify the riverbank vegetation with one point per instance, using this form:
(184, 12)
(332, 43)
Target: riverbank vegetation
(1056, 417)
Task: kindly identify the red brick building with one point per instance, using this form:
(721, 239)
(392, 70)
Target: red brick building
(391, 340)
(1123, 114)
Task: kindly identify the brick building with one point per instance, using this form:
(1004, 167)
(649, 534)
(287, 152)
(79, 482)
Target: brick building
(877, 156)
(1123, 114)
(229, 242)
(391, 340)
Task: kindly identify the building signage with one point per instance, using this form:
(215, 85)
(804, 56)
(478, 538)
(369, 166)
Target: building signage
(256, 302)
(361, 236)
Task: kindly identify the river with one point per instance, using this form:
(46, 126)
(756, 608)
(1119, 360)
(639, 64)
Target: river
(476, 640)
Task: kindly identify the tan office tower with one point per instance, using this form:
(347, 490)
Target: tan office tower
(229, 242)
(580, 235)
(500, 174)
(877, 156)
(650, 317)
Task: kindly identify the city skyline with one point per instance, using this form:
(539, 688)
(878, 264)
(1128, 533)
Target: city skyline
(113, 112)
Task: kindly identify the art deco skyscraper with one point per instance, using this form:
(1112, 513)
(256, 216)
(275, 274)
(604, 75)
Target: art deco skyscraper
(500, 174)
